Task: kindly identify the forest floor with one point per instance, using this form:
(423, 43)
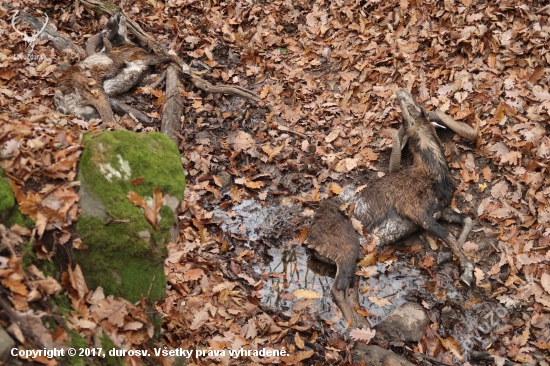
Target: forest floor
(326, 72)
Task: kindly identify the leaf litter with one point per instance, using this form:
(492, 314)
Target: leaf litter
(326, 72)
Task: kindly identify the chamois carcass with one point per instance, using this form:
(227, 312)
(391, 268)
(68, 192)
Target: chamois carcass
(84, 89)
(392, 207)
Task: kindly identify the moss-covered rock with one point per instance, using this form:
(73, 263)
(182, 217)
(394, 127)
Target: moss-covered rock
(9, 209)
(7, 200)
(125, 254)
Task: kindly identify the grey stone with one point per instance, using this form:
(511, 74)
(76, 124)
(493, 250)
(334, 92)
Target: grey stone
(89, 204)
(406, 324)
(377, 356)
(124, 252)
(6, 344)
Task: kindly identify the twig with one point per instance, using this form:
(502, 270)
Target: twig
(151, 285)
(420, 357)
(159, 80)
(301, 134)
(431, 359)
(304, 136)
(115, 221)
(486, 356)
(122, 108)
(29, 334)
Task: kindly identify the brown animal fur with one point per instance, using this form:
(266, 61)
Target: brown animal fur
(390, 208)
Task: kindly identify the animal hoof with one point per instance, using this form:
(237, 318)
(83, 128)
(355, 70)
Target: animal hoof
(467, 274)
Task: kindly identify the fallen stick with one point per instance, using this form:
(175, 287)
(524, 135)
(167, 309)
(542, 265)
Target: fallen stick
(157, 82)
(486, 356)
(123, 108)
(161, 50)
(173, 105)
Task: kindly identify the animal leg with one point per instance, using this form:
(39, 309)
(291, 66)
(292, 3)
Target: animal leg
(456, 218)
(345, 292)
(101, 103)
(342, 301)
(430, 224)
(352, 295)
(152, 60)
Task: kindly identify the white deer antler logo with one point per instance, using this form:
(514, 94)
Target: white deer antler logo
(29, 40)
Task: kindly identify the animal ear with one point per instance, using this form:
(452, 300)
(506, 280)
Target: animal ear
(112, 26)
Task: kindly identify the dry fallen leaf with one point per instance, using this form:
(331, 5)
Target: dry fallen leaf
(151, 214)
(235, 194)
(199, 320)
(334, 188)
(367, 260)
(48, 285)
(306, 294)
(299, 341)
(479, 275)
(362, 334)
(193, 274)
(302, 355)
(240, 140)
(545, 282)
(77, 280)
(114, 310)
(380, 302)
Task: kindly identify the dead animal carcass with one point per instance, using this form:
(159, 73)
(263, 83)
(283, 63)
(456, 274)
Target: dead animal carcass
(84, 89)
(392, 207)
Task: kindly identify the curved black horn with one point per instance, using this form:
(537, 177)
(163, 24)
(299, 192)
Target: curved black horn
(395, 157)
(107, 45)
(93, 43)
(463, 129)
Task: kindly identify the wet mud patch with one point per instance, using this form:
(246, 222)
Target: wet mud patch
(461, 315)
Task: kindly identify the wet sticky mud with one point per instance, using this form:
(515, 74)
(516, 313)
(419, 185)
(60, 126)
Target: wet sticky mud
(285, 266)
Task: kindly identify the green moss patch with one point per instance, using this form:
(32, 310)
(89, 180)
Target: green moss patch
(9, 209)
(126, 256)
(7, 200)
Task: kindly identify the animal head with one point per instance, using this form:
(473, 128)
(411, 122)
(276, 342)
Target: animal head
(423, 141)
(117, 32)
(29, 40)
(115, 35)
(415, 116)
